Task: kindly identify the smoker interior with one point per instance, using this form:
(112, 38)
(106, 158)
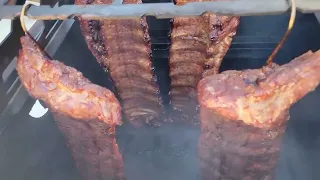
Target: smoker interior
(32, 149)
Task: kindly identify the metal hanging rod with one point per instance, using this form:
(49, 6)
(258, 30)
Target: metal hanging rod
(161, 10)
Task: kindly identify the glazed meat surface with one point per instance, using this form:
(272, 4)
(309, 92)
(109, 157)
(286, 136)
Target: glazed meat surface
(244, 113)
(123, 47)
(260, 96)
(198, 45)
(87, 113)
(63, 88)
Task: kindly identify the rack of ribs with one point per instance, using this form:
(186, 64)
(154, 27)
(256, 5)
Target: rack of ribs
(87, 114)
(122, 46)
(198, 45)
(244, 113)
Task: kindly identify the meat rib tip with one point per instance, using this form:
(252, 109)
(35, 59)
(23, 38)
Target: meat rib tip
(63, 88)
(123, 47)
(244, 114)
(198, 45)
(86, 114)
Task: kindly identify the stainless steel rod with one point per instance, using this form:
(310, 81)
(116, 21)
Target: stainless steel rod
(160, 10)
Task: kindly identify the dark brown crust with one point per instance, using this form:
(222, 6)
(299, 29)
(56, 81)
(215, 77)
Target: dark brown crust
(198, 45)
(244, 113)
(234, 150)
(189, 43)
(124, 49)
(91, 30)
(88, 112)
(94, 148)
(222, 32)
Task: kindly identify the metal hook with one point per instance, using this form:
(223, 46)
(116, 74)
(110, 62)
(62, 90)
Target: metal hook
(25, 7)
(284, 38)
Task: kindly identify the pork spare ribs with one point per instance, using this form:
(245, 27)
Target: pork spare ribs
(198, 45)
(123, 47)
(244, 114)
(86, 114)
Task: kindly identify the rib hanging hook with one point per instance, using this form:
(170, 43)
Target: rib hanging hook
(285, 36)
(25, 7)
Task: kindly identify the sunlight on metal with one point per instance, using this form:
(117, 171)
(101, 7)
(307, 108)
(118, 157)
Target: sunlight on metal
(5, 30)
(37, 110)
